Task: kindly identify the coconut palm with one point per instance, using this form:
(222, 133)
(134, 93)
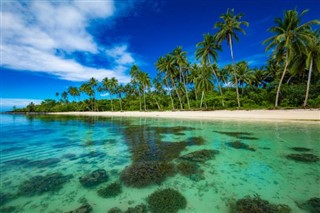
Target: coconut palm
(145, 83)
(227, 31)
(119, 90)
(309, 60)
(289, 37)
(74, 92)
(207, 51)
(204, 82)
(112, 85)
(135, 72)
(161, 66)
(179, 58)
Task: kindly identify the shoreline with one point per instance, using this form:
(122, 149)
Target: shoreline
(312, 115)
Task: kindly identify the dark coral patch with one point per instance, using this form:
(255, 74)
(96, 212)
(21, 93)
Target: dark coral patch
(94, 178)
(200, 155)
(258, 205)
(41, 184)
(148, 173)
(301, 149)
(111, 190)
(166, 201)
(305, 157)
(240, 145)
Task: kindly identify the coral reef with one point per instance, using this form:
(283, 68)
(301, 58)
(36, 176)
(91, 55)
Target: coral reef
(148, 173)
(17, 162)
(258, 205)
(187, 168)
(301, 149)
(235, 134)
(200, 156)
(43, 163)
(85, 208)
(41, 184)
(5, 197)
(8, 209)
(141, 208)
(94, 178)
(195, 141)
(166, 201)
(240, 145)
(115, 210)
(305, 157)
(312, 205)
(111, 190)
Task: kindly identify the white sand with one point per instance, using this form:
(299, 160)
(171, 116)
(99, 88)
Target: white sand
(256, 115)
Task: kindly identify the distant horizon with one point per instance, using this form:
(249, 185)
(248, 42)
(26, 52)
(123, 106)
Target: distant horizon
(54, 45)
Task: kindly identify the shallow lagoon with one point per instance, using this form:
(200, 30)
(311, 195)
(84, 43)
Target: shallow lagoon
(76, 146)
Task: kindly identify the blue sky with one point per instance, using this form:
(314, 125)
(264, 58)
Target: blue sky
(47, 46)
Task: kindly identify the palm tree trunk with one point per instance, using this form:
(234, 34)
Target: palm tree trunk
(235, 71)
(282, 77)
(185, 87)
(201, 99)
(177, 92)
(111, 104)
(172, 103)
(140, 102)
(120, 103)
(308, 84)
(144, 99)
(219, 86)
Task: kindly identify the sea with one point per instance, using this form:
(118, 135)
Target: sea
(52, 163)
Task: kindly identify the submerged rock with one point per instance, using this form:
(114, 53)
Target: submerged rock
(148, 173)
(305, 157)
(240, 145)
(200, 156)
(85, 208)
(258, 205)
(301, 149)
(166, 201)
(111, 190)
(41, 184)
(94, 178)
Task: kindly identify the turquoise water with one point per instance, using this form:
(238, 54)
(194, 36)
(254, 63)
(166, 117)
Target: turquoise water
(76, 146)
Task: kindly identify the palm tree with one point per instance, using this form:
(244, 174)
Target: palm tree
(227, 31)
(289, 36)
(119, 90)
(207, 50)
(112, 85)
(310, 59)
(179, 58)
(74, 92)
(161, 67)
(64, 96)
(204, 82)
(195, 72)
(145, 82)
(135, 72)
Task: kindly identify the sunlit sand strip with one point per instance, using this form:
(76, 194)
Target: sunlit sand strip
(256, 115)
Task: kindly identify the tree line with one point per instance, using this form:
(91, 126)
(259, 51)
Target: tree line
(290, 77)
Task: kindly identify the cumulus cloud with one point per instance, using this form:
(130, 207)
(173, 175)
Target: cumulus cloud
(33, 31)
(10, 102)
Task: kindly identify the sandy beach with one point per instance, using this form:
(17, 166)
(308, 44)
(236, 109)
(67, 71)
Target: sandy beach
(256, 115)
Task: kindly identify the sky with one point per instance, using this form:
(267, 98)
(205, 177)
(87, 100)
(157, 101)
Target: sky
(47, 46)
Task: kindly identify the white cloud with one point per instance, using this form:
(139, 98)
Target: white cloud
(32, 31)
(10, 102)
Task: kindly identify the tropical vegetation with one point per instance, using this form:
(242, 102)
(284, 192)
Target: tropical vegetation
(290, 78)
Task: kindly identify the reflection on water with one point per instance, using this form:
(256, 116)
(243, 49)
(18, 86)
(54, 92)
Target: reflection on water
(91, 164)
